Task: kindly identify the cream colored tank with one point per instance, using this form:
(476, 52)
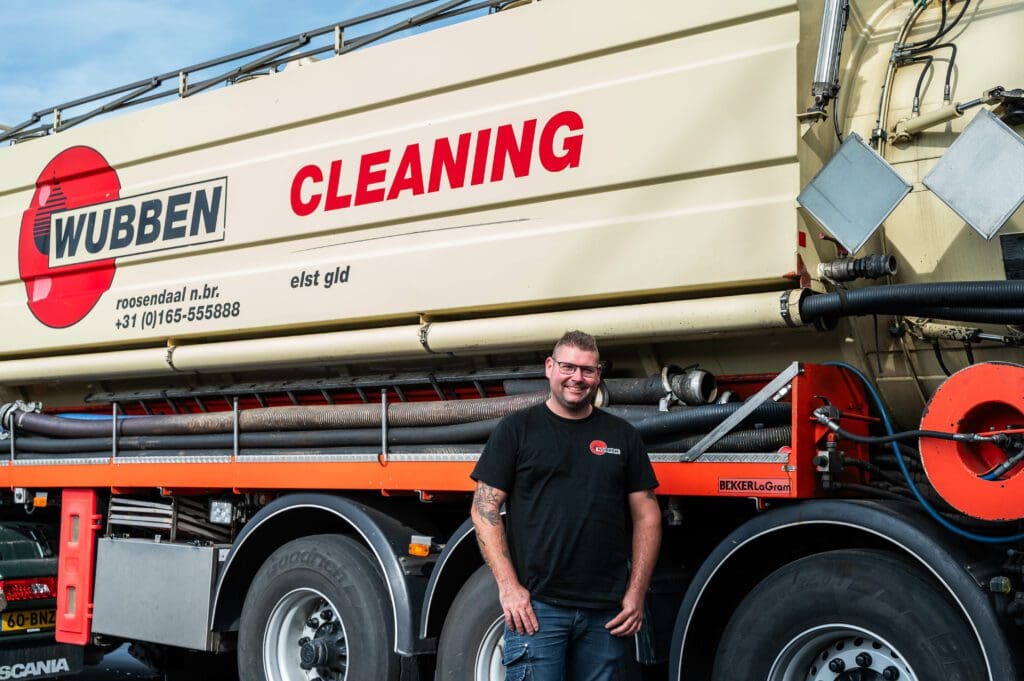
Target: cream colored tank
(478, 188)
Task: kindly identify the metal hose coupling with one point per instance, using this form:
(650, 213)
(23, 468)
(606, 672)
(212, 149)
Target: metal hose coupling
(8, 410)
(692, 386)
(849, 269)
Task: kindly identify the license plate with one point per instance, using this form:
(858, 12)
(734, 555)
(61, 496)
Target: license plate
(22, 620)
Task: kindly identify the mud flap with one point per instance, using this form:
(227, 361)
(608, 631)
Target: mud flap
(40, 661)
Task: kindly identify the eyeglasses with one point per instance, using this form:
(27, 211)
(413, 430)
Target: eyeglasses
(568, 368)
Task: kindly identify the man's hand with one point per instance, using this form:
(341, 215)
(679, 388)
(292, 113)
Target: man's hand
(629, 619)
(646, 514)
(490, 535)
(519, 615)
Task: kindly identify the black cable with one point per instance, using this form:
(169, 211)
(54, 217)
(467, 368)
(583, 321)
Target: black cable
(869, 489)
(945, 30)
(969, 351)
(923, 44)
(878, 350)
(933, 44)
(920, 80)
(949, 67)
(1005, 467)
(889, 461)
(938, 358)
(911, 454)
(872, 468)
(911, 435)
(893, 65)
(828, 417)
(835, 117)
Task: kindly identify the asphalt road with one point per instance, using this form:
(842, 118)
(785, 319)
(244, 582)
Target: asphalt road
(117, 665)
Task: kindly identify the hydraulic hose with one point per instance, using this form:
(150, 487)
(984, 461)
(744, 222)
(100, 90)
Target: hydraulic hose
(299, 453)
(475, 431)
(757, 440)
(980, 315)
(654, 422)
(828, 417)
(690, 387)
(708, 416)
(288, 418)
(912, 298)
(887, 422)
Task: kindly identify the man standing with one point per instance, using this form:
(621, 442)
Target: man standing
(573, 479)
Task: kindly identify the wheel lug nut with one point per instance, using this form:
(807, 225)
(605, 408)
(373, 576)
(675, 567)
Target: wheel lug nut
(837, 665)
(304, 640)
(863, 660)
(313, 623)
(326, 615)
(890, 674)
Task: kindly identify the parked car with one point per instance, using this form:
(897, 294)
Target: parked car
(28, 605)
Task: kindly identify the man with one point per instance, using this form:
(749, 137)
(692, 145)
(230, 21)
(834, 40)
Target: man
(573, 479)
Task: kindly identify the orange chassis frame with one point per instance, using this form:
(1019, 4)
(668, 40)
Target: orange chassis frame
(790, 474)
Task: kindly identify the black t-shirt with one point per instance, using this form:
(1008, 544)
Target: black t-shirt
(567, 516)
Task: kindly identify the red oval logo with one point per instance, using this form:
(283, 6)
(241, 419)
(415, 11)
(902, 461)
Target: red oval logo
(62, 296)
(598, 447)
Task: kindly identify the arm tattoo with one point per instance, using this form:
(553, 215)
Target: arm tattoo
(487, 504)
(650, 495)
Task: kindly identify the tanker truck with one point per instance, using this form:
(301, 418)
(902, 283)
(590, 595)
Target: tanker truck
(260, 315)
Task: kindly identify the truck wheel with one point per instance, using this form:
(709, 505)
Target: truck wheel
(850, 614)
(317, 608)
(471, 641)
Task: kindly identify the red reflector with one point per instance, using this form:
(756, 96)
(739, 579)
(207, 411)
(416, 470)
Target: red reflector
(32, 589)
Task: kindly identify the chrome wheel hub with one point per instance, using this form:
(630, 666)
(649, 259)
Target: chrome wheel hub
(305, 639)
(840, 652)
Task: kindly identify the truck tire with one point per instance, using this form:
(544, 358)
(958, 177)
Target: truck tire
(820, 615)
(317, 601)
(471, 640)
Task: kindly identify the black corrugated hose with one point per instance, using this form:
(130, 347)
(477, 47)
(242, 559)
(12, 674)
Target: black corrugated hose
(65, 435)
(996, 302)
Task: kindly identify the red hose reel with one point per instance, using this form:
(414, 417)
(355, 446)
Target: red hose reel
(983, 398)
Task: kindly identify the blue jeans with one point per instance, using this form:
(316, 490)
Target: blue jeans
(570, 645)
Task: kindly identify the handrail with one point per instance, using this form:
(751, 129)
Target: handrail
(268, 58)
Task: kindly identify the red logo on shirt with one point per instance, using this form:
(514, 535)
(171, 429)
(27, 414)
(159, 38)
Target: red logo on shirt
(600, 448)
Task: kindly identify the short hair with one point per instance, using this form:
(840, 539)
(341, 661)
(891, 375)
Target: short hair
(577, 339)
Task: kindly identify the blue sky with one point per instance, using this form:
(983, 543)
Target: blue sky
(53, 51)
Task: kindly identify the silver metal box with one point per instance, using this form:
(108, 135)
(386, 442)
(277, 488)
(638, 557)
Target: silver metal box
(156, 592)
